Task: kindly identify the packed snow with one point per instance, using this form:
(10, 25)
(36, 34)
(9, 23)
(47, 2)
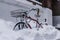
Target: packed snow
(48, 32)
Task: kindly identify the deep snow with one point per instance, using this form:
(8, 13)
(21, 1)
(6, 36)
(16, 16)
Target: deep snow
(48, 32)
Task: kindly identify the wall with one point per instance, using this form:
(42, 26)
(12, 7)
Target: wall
(56, 20)
(45, 13)
(56, 8)
(6, 8)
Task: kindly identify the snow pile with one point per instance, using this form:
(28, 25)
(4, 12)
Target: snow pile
(46, 33)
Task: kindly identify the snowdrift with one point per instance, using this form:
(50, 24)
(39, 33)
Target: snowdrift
(48, 32)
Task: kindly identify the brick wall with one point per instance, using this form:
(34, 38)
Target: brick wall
(56, 9)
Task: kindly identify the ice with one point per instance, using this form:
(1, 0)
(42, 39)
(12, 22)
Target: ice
(48, 32)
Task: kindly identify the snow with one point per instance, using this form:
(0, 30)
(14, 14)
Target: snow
(48, 32)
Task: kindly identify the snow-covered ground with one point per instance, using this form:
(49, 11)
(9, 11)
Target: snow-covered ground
(48, 32)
